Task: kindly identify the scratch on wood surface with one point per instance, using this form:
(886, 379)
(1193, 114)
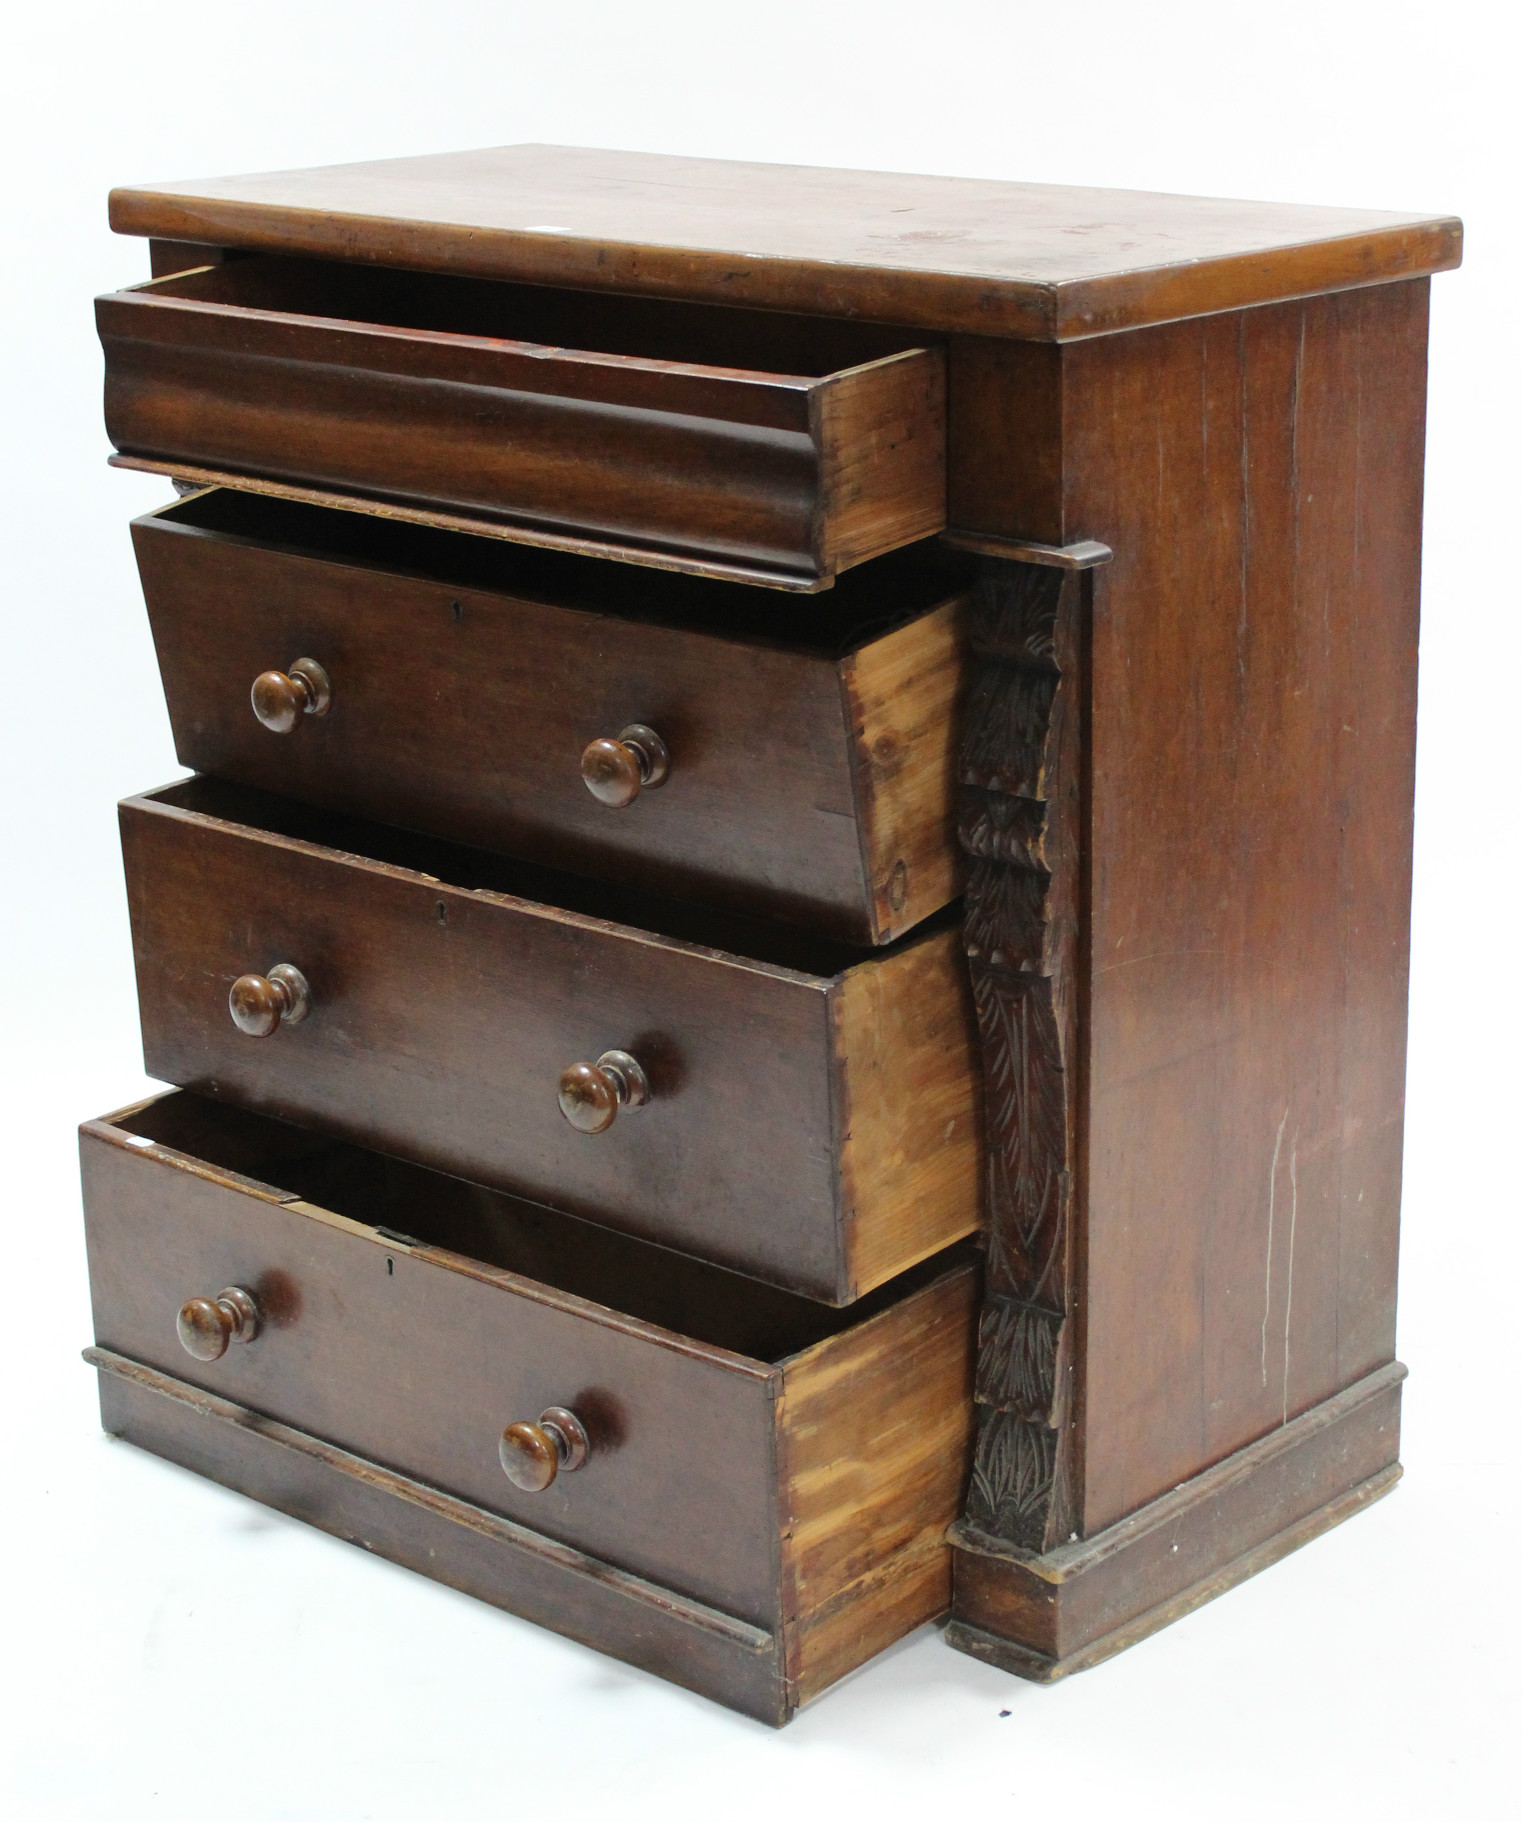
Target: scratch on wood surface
(1289, 1281)
(1268, 1264)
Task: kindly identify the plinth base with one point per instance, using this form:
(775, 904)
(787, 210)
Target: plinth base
(1045, 1616)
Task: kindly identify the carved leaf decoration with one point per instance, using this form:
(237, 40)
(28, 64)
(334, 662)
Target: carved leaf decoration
(1014, 613)
(991, 826)
(1018, 1349)
(1016, 819)
(1013, 1466)
(1006, 718)
(1026, 1113)
(1005, 921)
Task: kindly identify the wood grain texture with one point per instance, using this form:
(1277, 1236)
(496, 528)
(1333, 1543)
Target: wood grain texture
(648, 425)
(792, 1505)
(903, 702)
(1254, 686)
(880, 431)
(1043, 1616)
(192, 477)
(873, 1432)
(471, 675)
(450, 989)
(447, 1539)
(910, 1143)
(1243, 893)
(1027, 260)
(411, 1355)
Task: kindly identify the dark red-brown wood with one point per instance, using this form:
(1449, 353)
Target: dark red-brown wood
(1246, 690)
(1037, 261)
(468, 678)
(784, 448)
(1185, 790)
(447, 1000)
(735, 1461)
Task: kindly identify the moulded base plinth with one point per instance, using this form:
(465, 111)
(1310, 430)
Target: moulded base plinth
(1045, 1616)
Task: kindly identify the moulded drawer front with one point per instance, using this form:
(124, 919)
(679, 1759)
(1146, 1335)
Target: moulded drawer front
(801, 786)
(258, 368)
(819, 1132)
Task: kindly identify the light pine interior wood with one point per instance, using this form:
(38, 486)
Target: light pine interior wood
(911, 1145)
(902, 695)
(874, 1428)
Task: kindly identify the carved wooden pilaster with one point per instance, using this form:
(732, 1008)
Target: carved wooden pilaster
(1019, 815)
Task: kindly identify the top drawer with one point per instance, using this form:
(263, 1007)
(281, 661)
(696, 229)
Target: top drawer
(773, 448)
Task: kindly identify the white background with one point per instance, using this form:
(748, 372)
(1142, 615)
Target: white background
(168, 1646)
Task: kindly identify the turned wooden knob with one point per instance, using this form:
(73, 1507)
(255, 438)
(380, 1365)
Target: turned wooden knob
(616, 771)
(281, 698)
(592, 1093)
(206, 1325)
(532, 1454)
(260, 1003)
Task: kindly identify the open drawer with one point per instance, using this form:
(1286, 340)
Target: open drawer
(753, 1491)
(774, 448)
(809, 1112)
(807, 746)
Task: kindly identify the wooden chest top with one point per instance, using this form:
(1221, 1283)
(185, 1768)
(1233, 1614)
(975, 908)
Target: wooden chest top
(1033, 261)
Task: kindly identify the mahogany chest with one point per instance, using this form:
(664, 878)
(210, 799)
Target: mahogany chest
(784, 967)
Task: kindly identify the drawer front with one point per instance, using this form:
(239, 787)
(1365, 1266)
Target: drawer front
(242, 368)
(418, 1360)
(442, 1020)
(465, 712)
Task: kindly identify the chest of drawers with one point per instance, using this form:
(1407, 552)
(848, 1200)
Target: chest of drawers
(784, 968)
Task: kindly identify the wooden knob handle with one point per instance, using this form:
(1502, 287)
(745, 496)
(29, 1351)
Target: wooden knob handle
(616, 771)
(207, 1324)
(592, 1093)
(261, 1003)
(532, 1454)
(281, 698)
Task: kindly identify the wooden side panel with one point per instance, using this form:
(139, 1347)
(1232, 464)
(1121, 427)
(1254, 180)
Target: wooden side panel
(910, 1134)
(874, 1427)
(881, 435)
(902, 701)
(1259, 477)
(448, 1539)
(419, 1362)
(1004, 455)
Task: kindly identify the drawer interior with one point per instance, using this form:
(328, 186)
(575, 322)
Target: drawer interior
(477, 870)
(638, 328)
(865, 602)
(426, 1208)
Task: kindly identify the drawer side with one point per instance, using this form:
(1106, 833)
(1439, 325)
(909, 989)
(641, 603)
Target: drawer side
(902, 700)
(881, 433)
(874, 1431)
(910, 1107)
